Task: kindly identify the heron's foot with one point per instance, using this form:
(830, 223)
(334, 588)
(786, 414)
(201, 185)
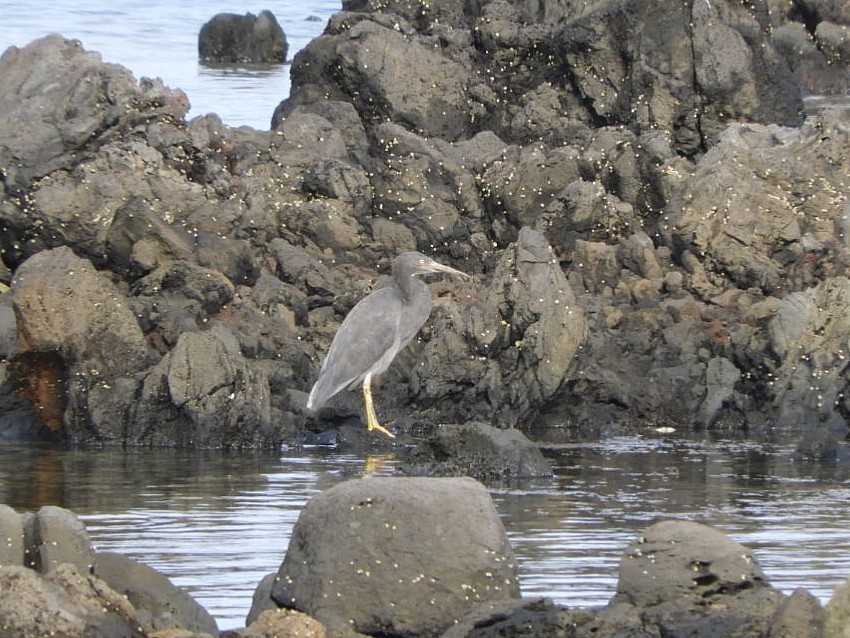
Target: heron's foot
(373, 424)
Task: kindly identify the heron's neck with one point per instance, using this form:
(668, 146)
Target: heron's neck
(410, 286)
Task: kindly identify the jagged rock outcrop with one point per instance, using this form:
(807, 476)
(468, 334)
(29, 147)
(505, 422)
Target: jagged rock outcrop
(661, 168)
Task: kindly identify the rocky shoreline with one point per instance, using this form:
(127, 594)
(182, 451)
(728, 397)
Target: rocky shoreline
(657, 233)
(395, 557)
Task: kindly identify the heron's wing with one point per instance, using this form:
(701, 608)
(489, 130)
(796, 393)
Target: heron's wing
(368, 335)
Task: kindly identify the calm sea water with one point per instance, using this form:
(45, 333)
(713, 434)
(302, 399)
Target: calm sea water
(159, 38)
(216, 523)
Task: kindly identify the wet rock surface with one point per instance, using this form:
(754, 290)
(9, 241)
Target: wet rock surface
(480, 451)
(396, 556)
(232, 38)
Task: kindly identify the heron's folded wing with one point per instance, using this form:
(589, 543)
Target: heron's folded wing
(368, 333)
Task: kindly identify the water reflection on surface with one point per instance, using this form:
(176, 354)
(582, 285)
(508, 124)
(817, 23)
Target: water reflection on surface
(217, 523)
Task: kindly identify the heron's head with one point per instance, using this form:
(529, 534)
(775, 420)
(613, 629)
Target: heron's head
(412, 264)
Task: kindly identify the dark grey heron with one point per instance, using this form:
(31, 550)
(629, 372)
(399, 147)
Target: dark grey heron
(375, 331)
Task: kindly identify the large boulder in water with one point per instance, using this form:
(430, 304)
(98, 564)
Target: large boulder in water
(397, 556)
(232, 38)
(686, 578)
(64, 305)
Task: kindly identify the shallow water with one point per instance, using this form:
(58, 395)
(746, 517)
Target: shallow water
(217, 523)
(159, 38)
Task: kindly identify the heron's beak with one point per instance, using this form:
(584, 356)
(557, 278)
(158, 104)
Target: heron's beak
(438, 267)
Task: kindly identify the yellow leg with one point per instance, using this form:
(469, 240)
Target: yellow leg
(371, 417)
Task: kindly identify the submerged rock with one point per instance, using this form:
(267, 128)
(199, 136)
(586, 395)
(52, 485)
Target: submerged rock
(232, 38)
(480, 451)
(396, 556)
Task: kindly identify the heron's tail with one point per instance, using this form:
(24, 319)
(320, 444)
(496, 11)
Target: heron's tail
(319, 394)
(311, 400)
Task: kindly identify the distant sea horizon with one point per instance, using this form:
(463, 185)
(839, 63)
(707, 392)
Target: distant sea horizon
(159, 39)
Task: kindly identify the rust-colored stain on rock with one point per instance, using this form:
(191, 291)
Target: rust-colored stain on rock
(41, 379)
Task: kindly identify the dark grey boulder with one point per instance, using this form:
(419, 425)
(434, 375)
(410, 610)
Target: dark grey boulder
(60, 537)
(480, 451)
(204, 393)
(676, 559)
(232, 38)
(834, 39)
(11, 537)
(815, 72)
(178, 296)
(397, 556)
(158, 603)
(262, 599)
(677, 569)
(416, 85)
